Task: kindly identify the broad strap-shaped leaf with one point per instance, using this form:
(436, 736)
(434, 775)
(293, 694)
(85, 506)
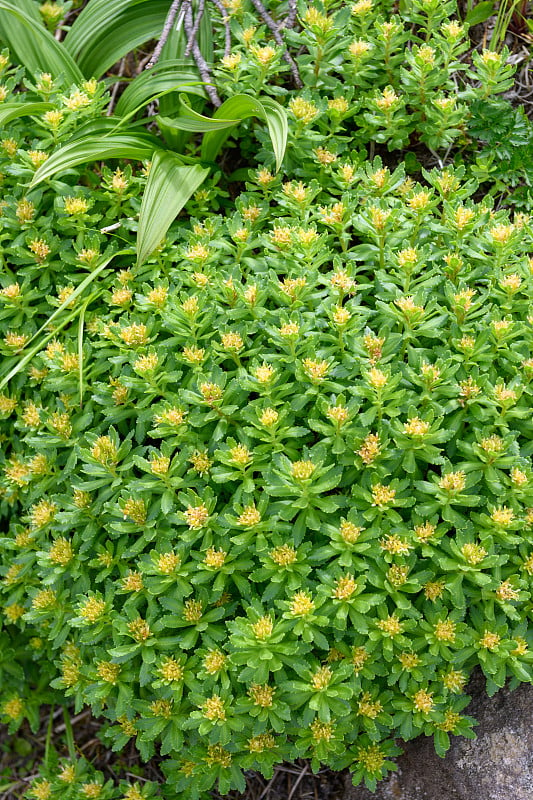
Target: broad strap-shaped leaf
(137, 146)
(33, 46)
(105, 126)
(242, 106)
(106, 30)
(152, 83)
(31, 9)
(191, 120)
(170, 184)
(11, 111)
(197, 124)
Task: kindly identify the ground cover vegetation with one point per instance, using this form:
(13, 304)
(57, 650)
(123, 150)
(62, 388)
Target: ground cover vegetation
(266, 487)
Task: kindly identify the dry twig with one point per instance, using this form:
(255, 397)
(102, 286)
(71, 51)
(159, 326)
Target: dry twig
(227, 30)
(171, 16)
(201, 63)
(195, 27)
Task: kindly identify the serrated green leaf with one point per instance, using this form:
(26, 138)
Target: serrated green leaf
(242, 106)
(170, 184)
(34, 47)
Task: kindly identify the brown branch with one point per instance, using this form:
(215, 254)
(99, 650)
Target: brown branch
(297, 782)
(167, 27)
(201, 63)
(227, 29)
(195, 27)
(290, 19)
(116, 87)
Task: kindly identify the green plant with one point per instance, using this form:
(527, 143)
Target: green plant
(503, 160)
(266, 476)
(269, 413)
(105, 138)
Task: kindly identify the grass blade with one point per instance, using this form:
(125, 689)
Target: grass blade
(242, 106)
(81, 325)
(75, 294)
(170, 184)
(69, 735)
(40, 345)
(69, 317)
(34, 47)
(48, 742)
(29, 8)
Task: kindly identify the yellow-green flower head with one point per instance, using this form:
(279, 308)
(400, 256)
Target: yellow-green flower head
(473, 553)
(250, 516)
(108, 672)
(423, 701)
(390, 626)
(92, 609)
(213, 708)
(263, 627)
(261, 742)
(344, 587)
(216, 754)
(303, 110)
(322, 731)
(262, 694)
(284, 555)
(302, 470)
(367, 707)
(139, 629)
(214, 661)
(372, 757)
(196, 516)
(349, 531)
(170, 670)
(321, 679)
(301, 604)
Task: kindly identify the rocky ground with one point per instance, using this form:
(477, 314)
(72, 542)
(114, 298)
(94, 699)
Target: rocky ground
(498, 765)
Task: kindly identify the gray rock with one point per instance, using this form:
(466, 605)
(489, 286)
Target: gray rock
(498, 765)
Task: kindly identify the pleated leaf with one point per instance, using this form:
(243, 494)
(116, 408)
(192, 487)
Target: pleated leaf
(95, 148)
(30, 8)
(170, 76)
(242, 106)
(198, 124)
(33, 46)
(170, 184)
(106, 30)
(11, 111)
